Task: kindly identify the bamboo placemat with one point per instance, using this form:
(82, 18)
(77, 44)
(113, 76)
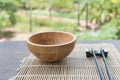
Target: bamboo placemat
(75, 67)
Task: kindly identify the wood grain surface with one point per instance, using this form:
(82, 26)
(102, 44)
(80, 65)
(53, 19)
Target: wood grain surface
(51, 46)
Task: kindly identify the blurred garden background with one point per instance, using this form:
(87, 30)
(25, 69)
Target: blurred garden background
(87, 19)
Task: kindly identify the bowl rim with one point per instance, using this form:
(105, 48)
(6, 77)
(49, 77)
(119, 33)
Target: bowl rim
(73, 40)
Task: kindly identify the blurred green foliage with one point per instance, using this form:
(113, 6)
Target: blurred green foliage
(105, 33)
(62, 5)
(102, 11)
(53, 24)
(7, 9)
(37, 4)
(105, 13)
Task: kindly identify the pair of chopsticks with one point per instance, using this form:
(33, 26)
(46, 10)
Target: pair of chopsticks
(108, 69)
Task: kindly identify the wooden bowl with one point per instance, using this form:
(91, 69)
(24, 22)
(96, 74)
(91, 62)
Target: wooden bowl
(51, 46)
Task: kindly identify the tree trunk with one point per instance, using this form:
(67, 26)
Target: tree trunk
(30, 15)
(86, 15)
(0, 34)
(50, 13)
(78, 13)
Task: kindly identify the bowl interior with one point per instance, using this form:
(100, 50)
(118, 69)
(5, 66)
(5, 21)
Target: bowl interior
(51, 38)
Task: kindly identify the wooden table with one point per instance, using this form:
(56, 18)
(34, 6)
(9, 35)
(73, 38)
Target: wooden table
(11, 52)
